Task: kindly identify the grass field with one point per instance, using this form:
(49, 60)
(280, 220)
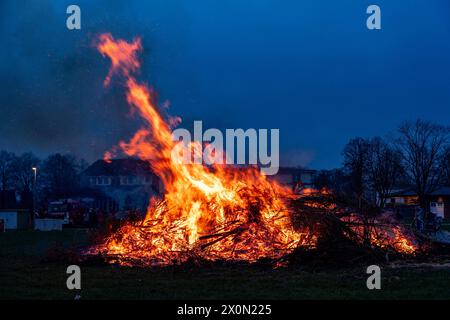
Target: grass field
(24, 275)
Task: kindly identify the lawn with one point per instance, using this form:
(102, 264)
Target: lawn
(24, 275)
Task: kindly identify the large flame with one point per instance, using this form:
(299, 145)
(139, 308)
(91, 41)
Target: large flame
(210, 212)
(216, 212)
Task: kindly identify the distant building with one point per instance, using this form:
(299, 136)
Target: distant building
(295, 177)
(402, 197)
(121, 184)
(14, 219)
(438, 201)
(11, 216)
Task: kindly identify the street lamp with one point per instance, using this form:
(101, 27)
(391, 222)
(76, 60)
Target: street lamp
(34, 195)
(35, 173)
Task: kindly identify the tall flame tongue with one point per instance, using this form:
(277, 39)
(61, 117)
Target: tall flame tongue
(211, 213)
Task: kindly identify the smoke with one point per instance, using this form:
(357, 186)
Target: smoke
(297, 158)
(52, 99)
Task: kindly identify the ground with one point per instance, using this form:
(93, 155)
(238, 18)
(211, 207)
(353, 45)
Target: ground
(25, 275)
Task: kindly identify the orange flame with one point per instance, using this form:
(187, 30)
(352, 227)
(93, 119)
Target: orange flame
(122, 54)
(384, 233)
(215, 212)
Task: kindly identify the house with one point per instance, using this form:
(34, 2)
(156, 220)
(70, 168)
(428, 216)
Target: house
(295, 177)
(120, 185)
(402, 197)
(13, 219)
(438, 201)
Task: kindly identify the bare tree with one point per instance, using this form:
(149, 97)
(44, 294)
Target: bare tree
(24, 176)
(383, 167)
(356, 153)
(7, 160)
(446, 166)
(60, 175)
(81, 165)
(423, 145)
(23, 169)
(335, 180)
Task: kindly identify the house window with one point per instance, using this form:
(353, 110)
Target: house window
(101, 181)
(127, 180)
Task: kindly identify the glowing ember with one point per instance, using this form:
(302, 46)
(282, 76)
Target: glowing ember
(383, 233)
(210, 212)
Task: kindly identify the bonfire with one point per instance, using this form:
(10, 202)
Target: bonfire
(212, 212)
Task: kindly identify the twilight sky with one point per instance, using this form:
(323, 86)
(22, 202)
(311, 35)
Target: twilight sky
(310, 68)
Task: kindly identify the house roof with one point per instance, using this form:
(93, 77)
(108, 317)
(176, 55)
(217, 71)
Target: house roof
(440, 191)
(403, 193)
(118, 167)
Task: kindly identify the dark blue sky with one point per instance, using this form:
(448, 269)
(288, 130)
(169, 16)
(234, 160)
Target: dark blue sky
(310, 68)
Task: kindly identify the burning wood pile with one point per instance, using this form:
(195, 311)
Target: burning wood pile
(220, 212)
